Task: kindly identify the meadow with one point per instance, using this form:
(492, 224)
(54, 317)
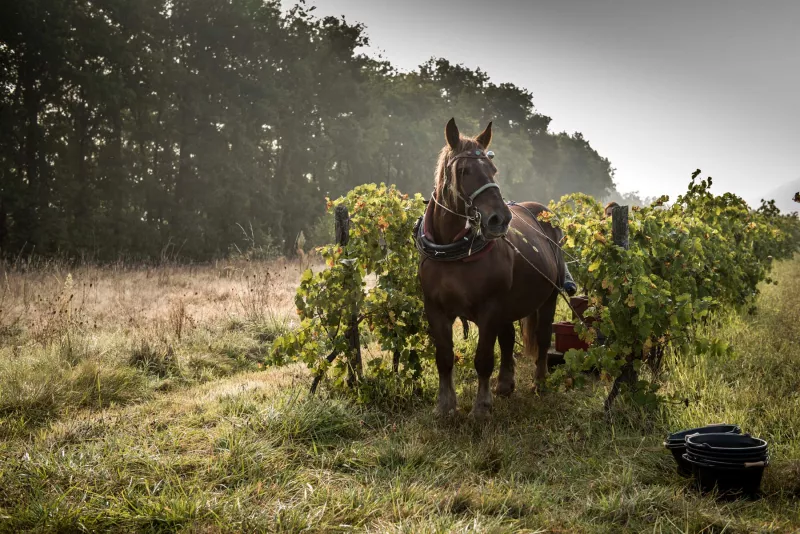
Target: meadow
(135, 399)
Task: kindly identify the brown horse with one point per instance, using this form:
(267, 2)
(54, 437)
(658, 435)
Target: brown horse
(515, 275)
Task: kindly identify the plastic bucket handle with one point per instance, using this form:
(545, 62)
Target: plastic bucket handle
(707, 446)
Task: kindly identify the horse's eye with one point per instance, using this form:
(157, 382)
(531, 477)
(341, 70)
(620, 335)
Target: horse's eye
(465, 171)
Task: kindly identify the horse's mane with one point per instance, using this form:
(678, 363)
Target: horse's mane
(442, 172)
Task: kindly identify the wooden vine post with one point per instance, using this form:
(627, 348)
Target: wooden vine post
(354, 365)
(342, 228)
(619, 226)
(619, 232)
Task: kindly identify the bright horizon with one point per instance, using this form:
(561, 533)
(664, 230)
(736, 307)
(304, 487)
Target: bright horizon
(659, 89)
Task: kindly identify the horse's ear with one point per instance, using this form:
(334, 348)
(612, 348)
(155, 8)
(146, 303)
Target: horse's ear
(451, 134)
(485, 138)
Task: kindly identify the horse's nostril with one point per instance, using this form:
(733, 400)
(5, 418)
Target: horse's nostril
(494, 221)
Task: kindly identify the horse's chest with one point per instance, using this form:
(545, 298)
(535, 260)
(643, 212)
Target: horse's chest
(466, 295)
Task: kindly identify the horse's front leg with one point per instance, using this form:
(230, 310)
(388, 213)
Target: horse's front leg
(484, 365)
(441, 330)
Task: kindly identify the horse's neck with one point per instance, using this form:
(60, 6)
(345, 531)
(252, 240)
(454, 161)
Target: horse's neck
(446, 225)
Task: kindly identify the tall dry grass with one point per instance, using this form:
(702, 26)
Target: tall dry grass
(92, 337)
(133, 297)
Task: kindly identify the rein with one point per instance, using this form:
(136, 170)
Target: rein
(554, 247)
(558, 289)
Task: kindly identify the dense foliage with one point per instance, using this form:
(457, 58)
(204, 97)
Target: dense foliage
(702, 254)
(192, 127)
(685, 262)
(381, 245)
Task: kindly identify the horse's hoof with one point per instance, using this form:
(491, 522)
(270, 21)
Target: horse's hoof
(445, 412)
(480, 415)
(481, 412)
(538, 389)
(505, 389)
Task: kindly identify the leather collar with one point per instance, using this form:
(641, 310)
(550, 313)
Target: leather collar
(469, 245)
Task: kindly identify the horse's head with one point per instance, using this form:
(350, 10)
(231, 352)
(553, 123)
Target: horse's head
(465, 181)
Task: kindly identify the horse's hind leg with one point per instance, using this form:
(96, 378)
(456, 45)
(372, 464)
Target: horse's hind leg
(544, 336)
(484, 365)
(529, 340)
(505, 380)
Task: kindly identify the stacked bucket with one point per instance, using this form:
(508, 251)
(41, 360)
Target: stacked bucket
(720, 458)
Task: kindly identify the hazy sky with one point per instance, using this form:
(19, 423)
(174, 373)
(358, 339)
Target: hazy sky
(661, 88)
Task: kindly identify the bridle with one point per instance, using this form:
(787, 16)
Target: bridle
(474, 218)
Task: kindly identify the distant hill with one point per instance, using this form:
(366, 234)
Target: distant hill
(783, 197)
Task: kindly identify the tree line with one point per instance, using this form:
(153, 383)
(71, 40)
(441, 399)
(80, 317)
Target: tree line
(191, 128)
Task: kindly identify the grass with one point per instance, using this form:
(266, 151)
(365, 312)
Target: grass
(160, 420)
(97, 338)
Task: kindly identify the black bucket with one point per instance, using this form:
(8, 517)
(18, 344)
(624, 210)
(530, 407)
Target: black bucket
(728, 481)
(732, 463)
(727, 458)
(725, 445)
(762, 461)
(676, 443)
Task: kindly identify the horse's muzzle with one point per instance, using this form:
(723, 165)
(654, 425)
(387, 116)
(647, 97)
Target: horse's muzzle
(497, 226)
(495, 232)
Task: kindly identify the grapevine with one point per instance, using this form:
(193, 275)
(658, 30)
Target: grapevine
(687, 261)
(381, 244)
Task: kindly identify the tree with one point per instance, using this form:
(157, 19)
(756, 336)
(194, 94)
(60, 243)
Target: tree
(155, 128)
